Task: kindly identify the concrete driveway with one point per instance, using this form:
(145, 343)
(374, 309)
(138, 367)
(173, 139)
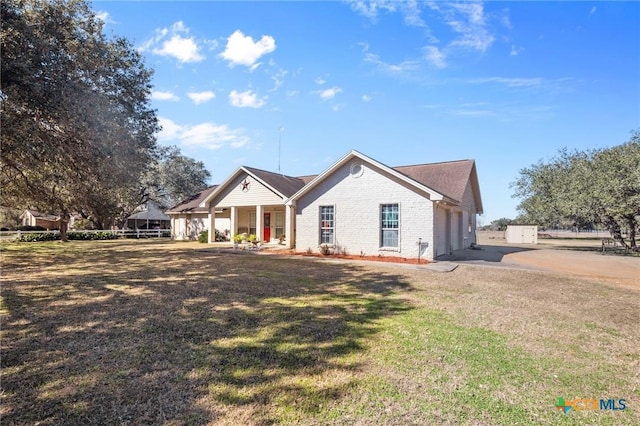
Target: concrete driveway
(620, 269)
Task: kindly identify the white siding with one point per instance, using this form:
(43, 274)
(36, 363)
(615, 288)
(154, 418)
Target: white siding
(456, 230)
(442, 231)
(357, 213)
(257, 194)
(189, 226)
(522, 234)
(469, 219)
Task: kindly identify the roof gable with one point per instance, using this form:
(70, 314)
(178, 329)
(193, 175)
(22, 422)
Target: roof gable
(282, 185)
(433, 194)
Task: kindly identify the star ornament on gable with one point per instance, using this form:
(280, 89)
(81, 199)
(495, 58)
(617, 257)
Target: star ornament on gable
(245, 185)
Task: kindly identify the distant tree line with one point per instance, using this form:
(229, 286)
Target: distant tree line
(78, 132)
(583, 189)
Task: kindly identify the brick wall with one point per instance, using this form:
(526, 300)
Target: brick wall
(357, 201)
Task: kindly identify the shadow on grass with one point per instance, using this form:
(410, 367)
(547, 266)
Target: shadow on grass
(487, 253)
(118, 333)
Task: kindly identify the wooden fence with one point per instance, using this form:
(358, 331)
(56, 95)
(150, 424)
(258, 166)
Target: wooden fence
(119, 233)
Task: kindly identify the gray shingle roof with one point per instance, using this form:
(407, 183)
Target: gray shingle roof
(286, 185)
(448, 178)
(190, 205)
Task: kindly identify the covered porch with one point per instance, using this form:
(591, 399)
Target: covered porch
(269, 223)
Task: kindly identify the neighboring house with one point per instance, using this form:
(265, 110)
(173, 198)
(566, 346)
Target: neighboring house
(34, 218)
(358, 206)
(148, 216)
(188, 219)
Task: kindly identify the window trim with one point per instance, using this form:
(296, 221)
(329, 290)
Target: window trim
(381, 229)
(332, 228)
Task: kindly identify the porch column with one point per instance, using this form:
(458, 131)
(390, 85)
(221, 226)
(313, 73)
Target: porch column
(289, 221)
(212, 223)
(259, 230)
(233, 219)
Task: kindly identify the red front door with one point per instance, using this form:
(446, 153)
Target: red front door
(267, 227)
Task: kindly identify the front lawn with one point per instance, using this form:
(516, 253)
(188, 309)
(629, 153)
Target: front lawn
(153, 332)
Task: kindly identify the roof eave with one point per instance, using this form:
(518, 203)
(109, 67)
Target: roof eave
(433, 195)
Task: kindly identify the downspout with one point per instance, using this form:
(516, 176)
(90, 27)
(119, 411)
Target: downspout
(435, 226)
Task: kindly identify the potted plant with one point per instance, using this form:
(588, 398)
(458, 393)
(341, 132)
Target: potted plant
(237, 239)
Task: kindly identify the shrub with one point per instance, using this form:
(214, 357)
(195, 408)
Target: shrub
(220, 237)
(32, 238)
(203, 237)
(325, 249)
(86, 236)
(30, 228)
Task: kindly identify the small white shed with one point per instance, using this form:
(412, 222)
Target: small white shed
(522, 234)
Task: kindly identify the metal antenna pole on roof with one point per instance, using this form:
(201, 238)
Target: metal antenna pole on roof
(280, 130)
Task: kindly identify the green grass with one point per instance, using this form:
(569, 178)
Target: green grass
(430, 369)
(167, 333)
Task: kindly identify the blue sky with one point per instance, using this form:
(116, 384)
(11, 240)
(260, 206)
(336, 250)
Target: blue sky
(411, 82)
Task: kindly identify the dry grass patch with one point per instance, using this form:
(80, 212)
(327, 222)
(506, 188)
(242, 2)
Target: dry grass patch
(130, 332)
(150, 332)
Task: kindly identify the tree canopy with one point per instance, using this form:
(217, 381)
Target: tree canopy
(175, 177)
(77, 125)
(78, 133)
(582, 188)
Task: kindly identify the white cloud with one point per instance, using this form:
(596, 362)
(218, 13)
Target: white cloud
(105, 17)
(366, 98)
(515, 51)
(506, 112)
(183, 49)
(201, 97)
(174, 42)
(410, 9)
(467, 19)
(593, 10)
(402, 67)
(370, 9)
(510, 82)
(206, 135)
(278, 79)
(159, 95)
(320, 81)
(329, 93)
(435, 56)
(245, 99)
(242, 50)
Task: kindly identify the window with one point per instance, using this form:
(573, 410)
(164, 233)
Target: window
(389, 225)
(252, 223)
(326, 225)
(279, 224)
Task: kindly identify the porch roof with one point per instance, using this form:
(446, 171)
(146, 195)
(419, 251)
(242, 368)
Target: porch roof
(192, 204)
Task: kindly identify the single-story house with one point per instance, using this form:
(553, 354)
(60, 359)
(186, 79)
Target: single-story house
(358, 205)
(35, 218)
(148, 216)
